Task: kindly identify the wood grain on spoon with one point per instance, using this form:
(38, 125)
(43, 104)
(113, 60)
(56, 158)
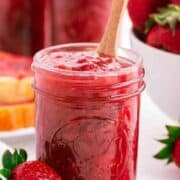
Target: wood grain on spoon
(110, 39)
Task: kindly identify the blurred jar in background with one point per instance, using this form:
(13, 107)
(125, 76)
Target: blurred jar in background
(25, 25)
(80, 20)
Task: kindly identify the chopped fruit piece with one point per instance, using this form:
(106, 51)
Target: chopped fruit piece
(29, 115)
(16, 93)
(14, 117)
(25, 88)
(14, 90)
(15, 78)
(11, 118)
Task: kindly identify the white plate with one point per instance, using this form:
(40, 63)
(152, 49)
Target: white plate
(18, 134)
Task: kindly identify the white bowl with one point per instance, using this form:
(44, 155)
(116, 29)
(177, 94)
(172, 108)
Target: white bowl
(162, 76)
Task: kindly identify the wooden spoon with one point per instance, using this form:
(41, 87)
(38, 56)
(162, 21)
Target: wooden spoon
(110, 39)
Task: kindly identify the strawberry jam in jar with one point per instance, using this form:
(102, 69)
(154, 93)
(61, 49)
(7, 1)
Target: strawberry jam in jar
(87, 112)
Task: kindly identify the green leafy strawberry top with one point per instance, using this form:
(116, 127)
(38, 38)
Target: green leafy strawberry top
(166, 152)
(169, 15)
(10, 161)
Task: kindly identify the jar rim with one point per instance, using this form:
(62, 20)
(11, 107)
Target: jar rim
(38, 61)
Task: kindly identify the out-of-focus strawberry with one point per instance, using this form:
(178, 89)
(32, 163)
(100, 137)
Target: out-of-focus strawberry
(15, 167)
(171, 151)
(175, 2)
(164, 29)
(163, 38)
(140, 10)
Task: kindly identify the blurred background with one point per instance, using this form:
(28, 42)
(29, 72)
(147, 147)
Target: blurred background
(30, 25)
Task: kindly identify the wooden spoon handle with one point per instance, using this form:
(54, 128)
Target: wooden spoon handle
(110, 39)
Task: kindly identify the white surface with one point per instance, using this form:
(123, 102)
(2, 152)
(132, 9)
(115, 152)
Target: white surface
(151, 127)
(24, 138)
(162, 76)
(18, 134)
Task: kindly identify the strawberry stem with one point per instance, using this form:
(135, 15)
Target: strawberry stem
(172, 136)
(169, 15)
(11, 160)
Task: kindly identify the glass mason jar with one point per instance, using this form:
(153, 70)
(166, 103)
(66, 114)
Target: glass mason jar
(87, 122)
(79, 20)
(25, 25)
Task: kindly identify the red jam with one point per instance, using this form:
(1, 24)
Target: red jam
(87, 61)
(87, 114)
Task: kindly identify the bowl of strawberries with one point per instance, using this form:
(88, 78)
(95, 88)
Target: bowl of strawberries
(156, 36)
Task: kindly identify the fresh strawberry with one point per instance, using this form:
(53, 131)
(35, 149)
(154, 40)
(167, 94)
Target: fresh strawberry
(34, 170)
(15, 168)
(139, 11)
(176, 152)
(164, 29)
(154, 38)
(163, 38)
(171, 151)
(175, 2)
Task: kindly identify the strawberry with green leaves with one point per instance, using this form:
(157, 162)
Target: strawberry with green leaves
(15, 167)
(163, 29)
(139, 11)
(171, 150)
